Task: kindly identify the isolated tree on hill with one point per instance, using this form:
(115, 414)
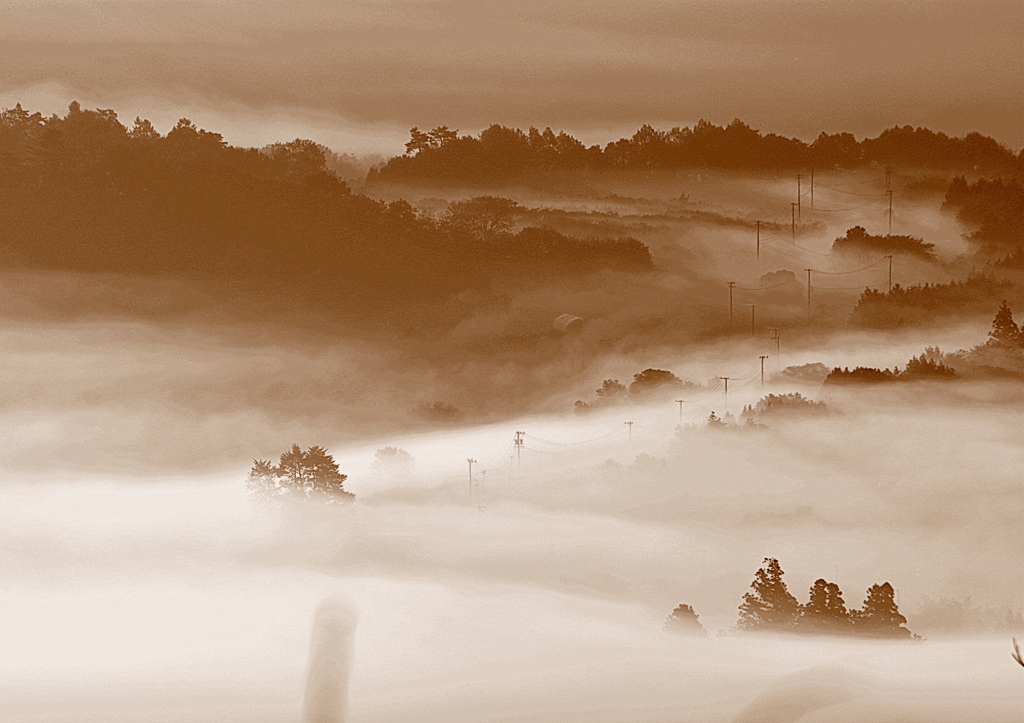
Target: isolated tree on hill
(879, 616)
(770, 606)
(825, 611)
(684, 621)
(310, 474)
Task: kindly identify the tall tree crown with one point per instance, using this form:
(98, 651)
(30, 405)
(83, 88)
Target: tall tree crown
(770, 606)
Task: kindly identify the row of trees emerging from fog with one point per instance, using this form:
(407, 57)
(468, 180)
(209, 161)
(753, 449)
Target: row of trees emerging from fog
(770, 607)
(500, 155)
(83, 192)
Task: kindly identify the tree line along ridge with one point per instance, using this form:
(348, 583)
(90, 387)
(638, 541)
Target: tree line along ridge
(501, 155)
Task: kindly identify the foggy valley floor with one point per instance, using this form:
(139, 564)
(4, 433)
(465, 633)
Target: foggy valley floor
(173, 310)
(543, 596)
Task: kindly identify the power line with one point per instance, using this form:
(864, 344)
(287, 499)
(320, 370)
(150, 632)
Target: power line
(768, 288)
(852, 193)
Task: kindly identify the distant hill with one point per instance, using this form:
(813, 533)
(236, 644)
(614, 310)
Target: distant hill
(502, 156)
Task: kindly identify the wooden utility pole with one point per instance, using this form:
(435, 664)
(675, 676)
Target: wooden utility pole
(889, 194)
(726, 380)
(798, 195)
(519, 452)
(471, 463)
(812, 188)
(752, 307)
(680, 403)
(889, 256)
(758, 246)
(775, 338)
(808, 295)
(732, 285)
(762, 357)
(793, 210)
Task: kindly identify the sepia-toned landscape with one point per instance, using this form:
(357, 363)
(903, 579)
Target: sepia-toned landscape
(405, 360)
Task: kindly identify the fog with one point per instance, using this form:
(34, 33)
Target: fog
(521, 559)
(539, 595)
(358, 75)
(139, 583)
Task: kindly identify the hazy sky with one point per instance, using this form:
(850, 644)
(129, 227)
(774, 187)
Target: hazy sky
(358, 75)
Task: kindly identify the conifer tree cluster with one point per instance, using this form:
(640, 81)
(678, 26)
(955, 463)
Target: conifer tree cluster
(771, 607)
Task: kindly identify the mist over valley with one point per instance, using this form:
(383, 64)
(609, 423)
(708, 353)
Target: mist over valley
(361, 394)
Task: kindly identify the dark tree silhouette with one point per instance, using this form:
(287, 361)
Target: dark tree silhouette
(610, 392)
(879, 616)
(483, 217)
(860, 375)
(83, 193)
(684, 621)
(825, 611)
(784, 404)
(501, 156)
(309, 474)
(650, 380)
(858, 241)
(926, 367)
(770, 606)
(994, 207)
(1005, 332)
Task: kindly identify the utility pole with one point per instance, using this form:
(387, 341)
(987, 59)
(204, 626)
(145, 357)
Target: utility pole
(680, 403)
(793, 210)
(758, 245)
(808, 295)
(889, 256)
(726, 380)
(471, 463)
(630, 447)
(812, 188)
(798, 195)
(732, 285)
(752, 307)
(775, 338)
(889, 194)
(762, 357)
(519, 452)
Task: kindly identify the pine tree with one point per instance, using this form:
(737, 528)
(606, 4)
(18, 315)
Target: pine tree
(879, 616)
(1005, 332)
(825, 611)
(684, 621)
(770, 606)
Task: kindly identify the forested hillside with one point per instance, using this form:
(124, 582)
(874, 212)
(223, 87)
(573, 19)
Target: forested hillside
(85, 193)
